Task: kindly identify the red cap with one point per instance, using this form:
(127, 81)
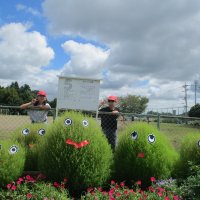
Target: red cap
(112, 98)
(42, 93)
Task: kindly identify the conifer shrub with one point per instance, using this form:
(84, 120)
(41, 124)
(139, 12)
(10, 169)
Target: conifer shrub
(76, 148)
(12, 158)
(143, 152)
(189, 155)
(29, 136)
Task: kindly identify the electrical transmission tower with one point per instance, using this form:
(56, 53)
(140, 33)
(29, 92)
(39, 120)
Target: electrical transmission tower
(185, 97)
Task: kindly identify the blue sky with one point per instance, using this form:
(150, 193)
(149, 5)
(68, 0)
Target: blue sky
(152, 55)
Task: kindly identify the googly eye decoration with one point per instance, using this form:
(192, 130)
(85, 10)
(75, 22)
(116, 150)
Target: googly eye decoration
(13, 149)
(68, 122)
(134, 135)
(151, 138)
(85, 123)
(25, 131)
(41, 132)
(198, 143)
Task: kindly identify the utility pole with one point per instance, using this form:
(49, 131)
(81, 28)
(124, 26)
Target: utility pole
(195, 92)
(185, 97)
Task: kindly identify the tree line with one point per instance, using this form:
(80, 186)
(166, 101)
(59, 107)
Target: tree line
(13, 95)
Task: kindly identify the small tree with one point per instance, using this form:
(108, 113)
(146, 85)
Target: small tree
(133, 104)
(194, 111)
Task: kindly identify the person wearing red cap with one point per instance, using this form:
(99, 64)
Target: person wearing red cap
(109, 121)
(37, 108)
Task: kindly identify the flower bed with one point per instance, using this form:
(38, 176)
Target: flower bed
(37, 188)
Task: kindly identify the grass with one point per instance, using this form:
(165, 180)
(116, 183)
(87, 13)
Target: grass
(175, 132)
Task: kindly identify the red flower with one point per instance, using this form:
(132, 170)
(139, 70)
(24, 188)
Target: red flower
(125, 192)
(153, 179)
(131, 191)
(19, 182)
(139, 182)
(29, 195)
(167, 198)
(116, 186)
(65, 180)
(13, 187)
(99, 189)
(151, 189)
(9, 186)
(89, 189)
(112, 182)
(176, 198)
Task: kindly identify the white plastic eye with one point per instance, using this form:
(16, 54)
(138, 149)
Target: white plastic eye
(151, 138)
(85, 122)
(13, 149)
(199, 143)
(68, 122)
(41, 132)
(134, 135)
(25, 131)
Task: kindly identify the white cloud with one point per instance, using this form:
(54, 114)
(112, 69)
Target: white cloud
(85, 59)
(22, 52)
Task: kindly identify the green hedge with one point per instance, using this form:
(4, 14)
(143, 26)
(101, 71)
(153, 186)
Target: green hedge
(84, 167)
(143, 152)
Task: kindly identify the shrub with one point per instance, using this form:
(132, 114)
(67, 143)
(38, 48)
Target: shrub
(76, 148)
(29, 137)
(143, 152)
(12, 158)
(189, 153)
(194, 111)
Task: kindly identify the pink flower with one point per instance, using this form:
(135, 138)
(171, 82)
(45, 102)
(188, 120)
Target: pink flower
(19, 182)
(29, 195)
(9, 186)
(151, 189)
(116, 186)
(160, 194)
(20, 179)
(132, 191)
(89, 189)
(122, 184)
(111, 192)
(139, 182)
(65, 180)
(167, 198)
(99, 189)
(112, 182)
(176, 198)
(104, 193)
(118, 194)
(45, 198)
(125, 192)
(13, 187)
(153, 179)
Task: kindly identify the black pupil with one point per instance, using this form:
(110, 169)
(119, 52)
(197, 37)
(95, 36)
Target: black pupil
(13, 149)
(43, 132)
(68, 121)
(134, 134)
(151, 137)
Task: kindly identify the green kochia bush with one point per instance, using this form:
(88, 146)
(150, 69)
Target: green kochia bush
(143, 152)
(189, 154)
(29, 137)
(60, 155)
(12, 158)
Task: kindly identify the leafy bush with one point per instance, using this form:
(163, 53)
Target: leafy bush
(12, 158)
(194, 111)
(189, 152)
(143, 152)
(76, 148)
(29, 137)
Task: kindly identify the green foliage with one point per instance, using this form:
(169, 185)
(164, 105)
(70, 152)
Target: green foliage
(133, 104)
(143, 152)
(29, 136)
(84, 167)
(12, 158)
(194, 111)
(189, 152)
